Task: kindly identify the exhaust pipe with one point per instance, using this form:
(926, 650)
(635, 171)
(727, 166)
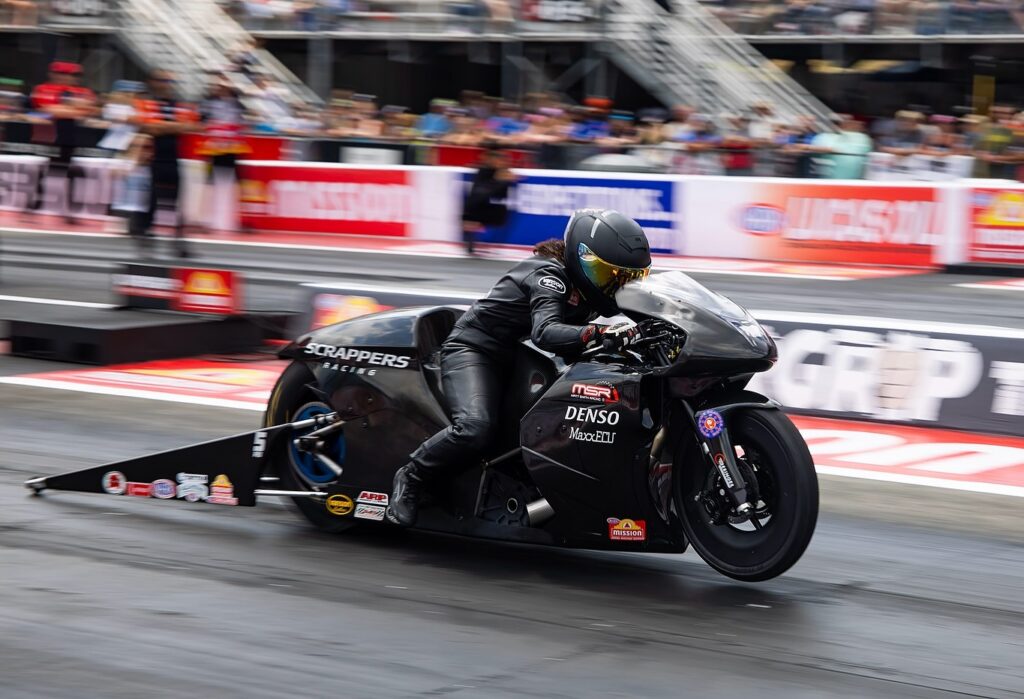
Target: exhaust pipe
(539, 511)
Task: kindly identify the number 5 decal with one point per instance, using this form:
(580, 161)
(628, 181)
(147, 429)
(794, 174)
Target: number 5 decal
(259, 444)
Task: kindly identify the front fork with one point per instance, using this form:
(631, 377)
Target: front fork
(717, 447)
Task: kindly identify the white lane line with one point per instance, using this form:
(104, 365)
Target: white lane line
(888, 323)
(131, 393)
(968, 486)
(55, 302)
(993, 287)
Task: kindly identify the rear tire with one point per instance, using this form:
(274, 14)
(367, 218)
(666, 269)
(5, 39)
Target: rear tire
(774, 452)
(292, 394)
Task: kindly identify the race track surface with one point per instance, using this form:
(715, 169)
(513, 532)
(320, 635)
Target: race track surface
(118, 597)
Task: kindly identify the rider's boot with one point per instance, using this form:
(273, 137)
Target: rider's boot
(404, 504)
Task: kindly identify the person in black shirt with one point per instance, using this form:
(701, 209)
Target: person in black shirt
(551, 298)
(484, 205)
(166, 119)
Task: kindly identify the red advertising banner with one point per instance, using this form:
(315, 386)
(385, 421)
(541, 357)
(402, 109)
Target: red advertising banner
(469, 156)
(995, 225)
(322, 198)
(805, 221)
(199, 146)
(208, 291)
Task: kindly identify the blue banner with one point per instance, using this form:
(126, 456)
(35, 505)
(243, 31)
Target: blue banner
(540, 205)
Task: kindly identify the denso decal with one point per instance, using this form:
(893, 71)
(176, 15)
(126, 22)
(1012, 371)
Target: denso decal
(596, 392)
(359, 356)
(627, 529)
(596, 416)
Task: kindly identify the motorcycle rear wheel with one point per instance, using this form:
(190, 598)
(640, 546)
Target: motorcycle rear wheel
(772, 452)
(290, 396)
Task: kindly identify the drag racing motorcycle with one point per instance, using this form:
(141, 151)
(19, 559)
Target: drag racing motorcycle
(651, 448)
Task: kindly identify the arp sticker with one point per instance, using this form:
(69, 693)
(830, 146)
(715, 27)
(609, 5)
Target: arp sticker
(340, 505)
(627, 529)
(139, 490)
(553, 283)
(164, 489)
(222, 491)
(372, 498)
(710, 424)
(114, 483)
(372, 512)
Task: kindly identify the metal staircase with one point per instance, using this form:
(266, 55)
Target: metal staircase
(688, 56)
(193, 38)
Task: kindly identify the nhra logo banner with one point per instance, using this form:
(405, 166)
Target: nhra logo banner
(540, 203)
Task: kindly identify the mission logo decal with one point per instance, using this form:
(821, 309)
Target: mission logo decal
(710, 423)
(627, 529)
(553, 283)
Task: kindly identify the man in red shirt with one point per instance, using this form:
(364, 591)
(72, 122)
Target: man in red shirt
(65, 102)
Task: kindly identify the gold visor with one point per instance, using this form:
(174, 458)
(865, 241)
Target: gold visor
(608, 278)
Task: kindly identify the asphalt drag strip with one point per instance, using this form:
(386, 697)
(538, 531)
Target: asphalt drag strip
(124, 597)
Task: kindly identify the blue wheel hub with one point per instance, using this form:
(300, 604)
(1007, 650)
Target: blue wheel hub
(308, 466)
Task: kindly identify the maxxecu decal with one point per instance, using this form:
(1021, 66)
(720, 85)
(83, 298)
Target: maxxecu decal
(354, 356)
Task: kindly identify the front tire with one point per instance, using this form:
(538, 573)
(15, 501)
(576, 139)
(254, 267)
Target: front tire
(292, 400)
(772, 452)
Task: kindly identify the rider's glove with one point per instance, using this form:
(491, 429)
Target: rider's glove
(620, 335)
(612, 337)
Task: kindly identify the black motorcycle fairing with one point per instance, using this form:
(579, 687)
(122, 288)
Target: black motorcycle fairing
(590, 470)
(721, 337)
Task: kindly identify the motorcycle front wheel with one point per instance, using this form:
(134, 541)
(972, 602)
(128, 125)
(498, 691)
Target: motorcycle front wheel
(774, 459)
(290, 401)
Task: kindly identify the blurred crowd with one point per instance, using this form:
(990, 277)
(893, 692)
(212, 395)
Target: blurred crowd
(924, 17)
(682, 139)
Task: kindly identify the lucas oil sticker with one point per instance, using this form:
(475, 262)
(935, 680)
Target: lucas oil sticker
(627, 529)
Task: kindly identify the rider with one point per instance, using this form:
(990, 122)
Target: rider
(550, 298)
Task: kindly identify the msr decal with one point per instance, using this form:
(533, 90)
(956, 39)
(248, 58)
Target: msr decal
(627, 529)
(357, 356)
(553, 283)
(604, 393)
(340, 505)
(222, 491)
(114, 483)
(371, 512)
(373, 498)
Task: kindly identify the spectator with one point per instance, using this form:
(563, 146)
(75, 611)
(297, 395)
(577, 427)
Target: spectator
(65, 103)
(132, 198)
(435, 123)
(223, 120)
(906, 135)
(680, 127)
(1000, 147)
(842, 155)
(165, 119)
(508, 124)
(484, 204)
(589, 124)
(119, 113)
(464, 131)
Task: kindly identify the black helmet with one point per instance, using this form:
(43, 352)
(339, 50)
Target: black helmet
(603, 251)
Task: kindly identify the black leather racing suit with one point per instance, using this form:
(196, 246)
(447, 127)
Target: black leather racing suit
(535, 299)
